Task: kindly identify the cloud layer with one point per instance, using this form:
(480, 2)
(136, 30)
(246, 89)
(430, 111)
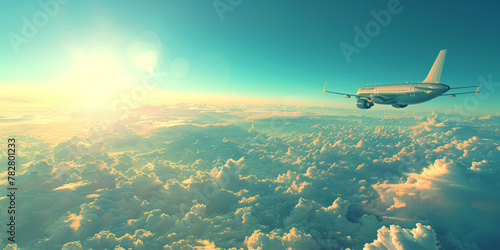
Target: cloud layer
(259, 179)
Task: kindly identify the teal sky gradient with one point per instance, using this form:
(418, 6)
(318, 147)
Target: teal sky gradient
(266, 48)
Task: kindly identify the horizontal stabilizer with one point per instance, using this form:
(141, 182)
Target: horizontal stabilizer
(470, 92)
(465, 87)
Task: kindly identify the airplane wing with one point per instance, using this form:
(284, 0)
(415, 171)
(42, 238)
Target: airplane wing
(331, 92)
(461, 93)
(370, 99)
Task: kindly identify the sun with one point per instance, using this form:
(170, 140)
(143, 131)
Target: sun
(95, 78)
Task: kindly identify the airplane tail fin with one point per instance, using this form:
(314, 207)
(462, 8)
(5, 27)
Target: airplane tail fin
(435, 74)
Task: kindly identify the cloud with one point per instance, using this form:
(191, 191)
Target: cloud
(106, 239)
(395, 237)
(74, 221)
(278, 239)
(222, 180)
(75, 245)
(72, 186)
(12, 99)
(231, 168)
(11, 247)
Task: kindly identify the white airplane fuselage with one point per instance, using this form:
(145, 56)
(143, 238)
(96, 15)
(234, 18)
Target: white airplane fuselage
(402, 94)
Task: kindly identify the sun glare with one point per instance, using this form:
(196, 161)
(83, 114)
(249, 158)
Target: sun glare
(94, 78)
(146, 61)
(144, 54)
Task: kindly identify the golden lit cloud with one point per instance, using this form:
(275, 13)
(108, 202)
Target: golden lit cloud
(72, 186)
(75, 221)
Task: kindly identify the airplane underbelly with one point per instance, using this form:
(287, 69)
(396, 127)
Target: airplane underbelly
(388, 102)
(404, 99)
(418, 97)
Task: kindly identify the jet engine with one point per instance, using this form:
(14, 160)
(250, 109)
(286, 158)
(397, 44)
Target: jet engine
(364, 104)
(399, 106)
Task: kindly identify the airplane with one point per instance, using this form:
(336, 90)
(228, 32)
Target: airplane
(402, 95)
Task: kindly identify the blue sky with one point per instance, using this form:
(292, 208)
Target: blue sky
(263, 49)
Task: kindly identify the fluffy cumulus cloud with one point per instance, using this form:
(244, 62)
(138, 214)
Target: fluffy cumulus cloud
(253, 178)
(395, 237)
(280, 240)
